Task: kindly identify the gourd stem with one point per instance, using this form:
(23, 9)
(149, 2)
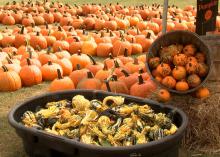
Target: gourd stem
(89, 74)
(59, 28)
(125, 73)
(59, 74)
(140, 79)
(92, 59)
(76, 38)
(141, 71)
(38, 33)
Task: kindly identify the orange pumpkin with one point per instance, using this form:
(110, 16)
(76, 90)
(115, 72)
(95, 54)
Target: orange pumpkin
(110, 61)
(119, 47)
(125, 58)
(128, 79)
(89, 47)
(103, 74)
(202, 93)
(75, 46)
(133, 67)
(95, 66)
(163, 95)
(49, 71)
(38, 40)
(66, 66)
(193, 80)
(164, 69)
(169, 82)
(182, 86)
(90, 82)
(104, 49)
(189, 50)
(30, 74)
(82, 59)
(61, 83)
(9, 80)
(60, 44)
(180, 59)
(48, 56)
(179, 72)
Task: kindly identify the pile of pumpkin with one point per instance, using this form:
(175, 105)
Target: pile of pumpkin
(62, 52)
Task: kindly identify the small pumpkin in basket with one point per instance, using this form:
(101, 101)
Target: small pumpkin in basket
(180, 59)
(164, 69)
(192, 67)
(61, 83)
(193, 80)
(179, 72)
(89, 83)
(154, 62)
(182, 86)
(169, 82)
(189, 50)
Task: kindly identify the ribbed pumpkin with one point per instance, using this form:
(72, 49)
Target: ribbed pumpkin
(95, 66)
(38, 40)
(30, 74)
(9, 80)
(75, 46)
(142, 88)
(77, 75)
(110, 61)
(60, 44)
(104, 49)
(117, 70)
(89, 47)
(125, 58)
(21, 38)
(66, 66)
(103, 74)
(133, 67)
(115, 86)
(119, 47)
(11, 66)
(129, 79)
(82, 59)
(49, 71)
(48, 56)
(62, 54)
(90, 82)
(61, 83)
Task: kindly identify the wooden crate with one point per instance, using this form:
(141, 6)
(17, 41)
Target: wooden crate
(213, 41)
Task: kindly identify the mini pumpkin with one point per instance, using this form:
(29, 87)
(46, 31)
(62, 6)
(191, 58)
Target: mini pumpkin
(180, 59)
(163, 95)
(164, 69)
(103, 74)
(202, 69)
(95, 66)
(154, 62)
(202, 93)
(82, 59)
(179, 72)
(128, 79)
(182, 86)
(169, 82)
(192, 67)
(193, 80)
(189, 50)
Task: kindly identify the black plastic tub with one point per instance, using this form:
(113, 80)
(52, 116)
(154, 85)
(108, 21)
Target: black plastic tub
(180, 37)
(38, 143)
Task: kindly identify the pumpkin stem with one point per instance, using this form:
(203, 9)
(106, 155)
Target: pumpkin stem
(79, 52)
(92, 59)
(140, 79)
(76, 38)
(116, 64)
(102, 34)
(148, 35)
(22, 30)
(111, 34)
(110, 56)
(9, 60)
(141, 71)
(4, 68)
(28, 61)
(59, 74)
(50, 63)
(89, 74)
(114, 77)
(48, 50)
(46, 24)
(105, 66)
(126, 52)
(125, 72)
(38, 33)
(9, 56)
(78, 66)
(59, 28)
(59, 49)
(107, 85)
(135, 61)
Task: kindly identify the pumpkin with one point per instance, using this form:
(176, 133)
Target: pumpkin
(75, 46)
(66, 66)
(154, 62)
(38, 40)
(144, 75)
(49, 71)
(30, 74)
(133, 67)
(164, 69)
(136, 48)
(50, 40)
(125, 58)
(128, 79)
(182, 86)
(201, 57)
(8, 20)
(48, 56)
(169, 82)
(202, 69)
(82, 59)
(62, 54)
(21, 38)
(8, 40)
(192, 67)
(202, 93)
(61, 83)
(102, 39)
(111, 25)
(33, 61)
(110, 61)
(115, 86)
(11, 66)
(144, 41)
(119, 47)
(78, 75)
(189, 50)
(89, 23)
(191, 59)
(89, 47)
(48, 17)
(117, 69)
(180, 59)
(142, 88)
(193, 80)
(103, 74)
(60, 44)
(95, 66)
(179, 72)
(9, 80)
(163, 95)
(104, 49)
(59, 34)
(90, 82)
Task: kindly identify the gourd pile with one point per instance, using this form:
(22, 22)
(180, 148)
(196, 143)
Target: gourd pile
(179, 67)
(55, 42)
(107, 123)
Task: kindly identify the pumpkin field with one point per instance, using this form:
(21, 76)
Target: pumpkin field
(104, 46)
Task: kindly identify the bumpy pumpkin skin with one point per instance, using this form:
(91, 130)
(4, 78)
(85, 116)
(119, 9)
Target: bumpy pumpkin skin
(180, 59)
(9, 81)
(193, 80)
(202, 69)
(192, 67)
(179, 72)
(169, 82)
(182, 86)
(189, 50)
(164, 69)
(154, 62)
